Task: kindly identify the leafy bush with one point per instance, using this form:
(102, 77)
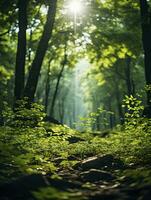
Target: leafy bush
(133, 143)
(28, 144)
(23, 116)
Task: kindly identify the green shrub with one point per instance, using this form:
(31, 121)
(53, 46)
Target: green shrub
(23, 116)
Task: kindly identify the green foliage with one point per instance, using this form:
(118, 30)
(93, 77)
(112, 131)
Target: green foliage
(29, 147)
(24, 116)
(134, 109)
(110, 35)
(45, 148)
(4, 74)
(89, 122)
(133, 143)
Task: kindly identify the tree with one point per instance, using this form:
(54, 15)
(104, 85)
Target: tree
(64, 62)
(146, 38)
(32, 81)
(47, 86)
(21, 50)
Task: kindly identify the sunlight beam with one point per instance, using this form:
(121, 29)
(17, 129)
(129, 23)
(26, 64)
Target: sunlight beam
(75, 7)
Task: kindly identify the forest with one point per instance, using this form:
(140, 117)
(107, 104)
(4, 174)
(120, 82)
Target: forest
(75, 99)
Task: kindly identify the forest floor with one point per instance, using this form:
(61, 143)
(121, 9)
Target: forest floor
(94, 177)
(97, 178)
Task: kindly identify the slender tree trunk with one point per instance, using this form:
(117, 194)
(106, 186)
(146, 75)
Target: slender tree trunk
(119, 107)
(98, 123)
(62, 106)
(72, 121)
(72, 113)
(111, 115)
(133, 86)
(128, 76)
(118, 97)
(58, 83)
(61, 110)
(30, 45)
(146, 38)
(21, 50)
(1, 106)
(47, 86)
(32, 81)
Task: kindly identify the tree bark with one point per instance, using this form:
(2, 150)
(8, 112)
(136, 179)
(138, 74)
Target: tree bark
(118, 97)
(47, 86)
(61, 109)
(21, 50)
(128, 76)
(109, 105)
(119, 107)
(32, 81)
(146, 39)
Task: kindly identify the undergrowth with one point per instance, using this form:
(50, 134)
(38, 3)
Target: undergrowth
(34, 146)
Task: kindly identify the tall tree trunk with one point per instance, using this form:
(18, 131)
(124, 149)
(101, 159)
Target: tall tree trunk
(98, 123)
(146, 38)
(119, 107)
(62, 106)
(32, 81)
(21, 50)
(61, 109)
(72, 114)
(118, 97)
(47, 86)
(58, 82)
(30, 45)
(111, 120)
(1, 105)
(128, 76)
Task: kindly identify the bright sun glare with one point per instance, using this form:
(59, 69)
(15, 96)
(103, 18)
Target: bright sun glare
(75, 7)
